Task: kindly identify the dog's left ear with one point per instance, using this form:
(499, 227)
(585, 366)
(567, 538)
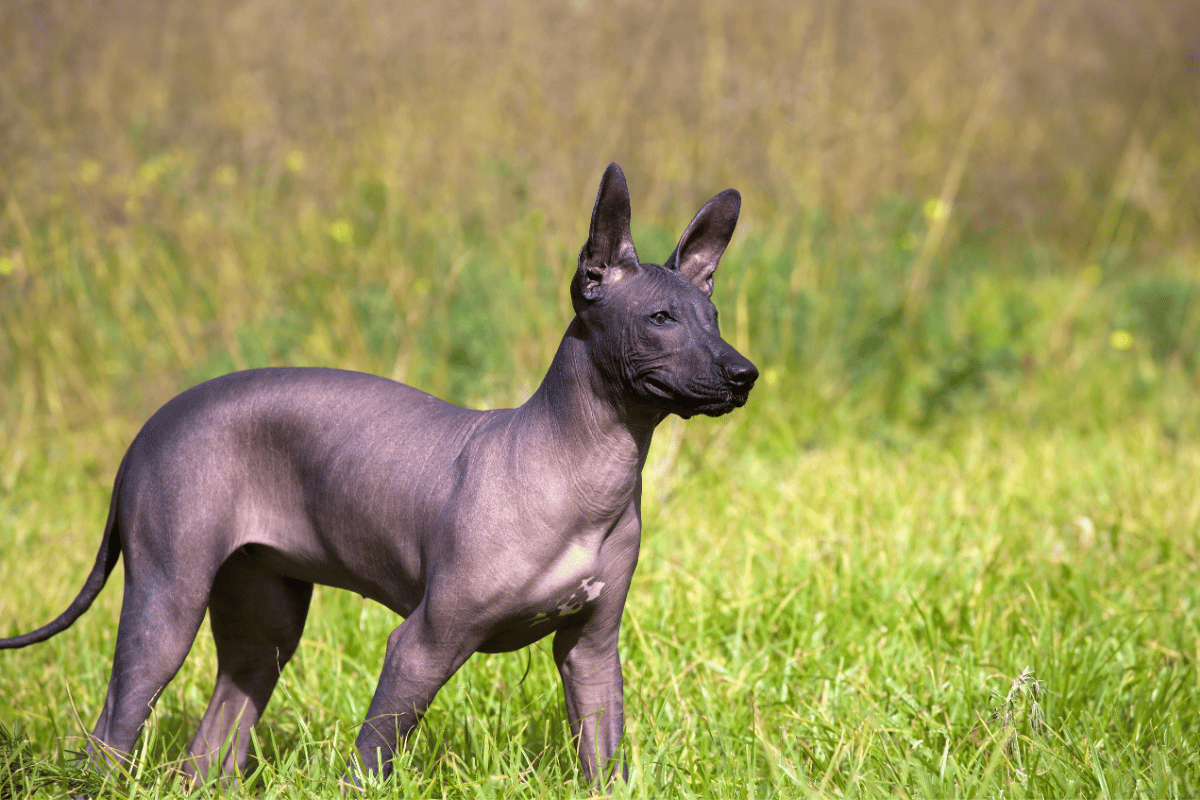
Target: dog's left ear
(705, 239)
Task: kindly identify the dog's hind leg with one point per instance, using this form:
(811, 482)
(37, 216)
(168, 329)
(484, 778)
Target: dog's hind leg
(257, 617)
(156, 631)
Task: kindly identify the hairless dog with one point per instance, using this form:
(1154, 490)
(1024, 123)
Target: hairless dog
(484, 530)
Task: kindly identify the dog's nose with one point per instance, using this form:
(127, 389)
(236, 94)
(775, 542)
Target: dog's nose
(741, 374)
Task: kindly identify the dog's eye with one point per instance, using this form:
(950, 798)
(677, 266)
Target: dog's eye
(660, 317)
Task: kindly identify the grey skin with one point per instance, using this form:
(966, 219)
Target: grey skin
(484, 530)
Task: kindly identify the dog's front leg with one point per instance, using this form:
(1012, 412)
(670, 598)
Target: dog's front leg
(418, 662)
(591, 674)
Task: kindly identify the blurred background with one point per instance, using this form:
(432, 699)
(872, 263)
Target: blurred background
(950, 208)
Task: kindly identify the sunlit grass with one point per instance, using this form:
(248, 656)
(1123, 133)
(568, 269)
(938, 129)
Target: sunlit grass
(846, 621)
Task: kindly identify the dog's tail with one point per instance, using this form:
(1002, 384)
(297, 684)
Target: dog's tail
(106, 559)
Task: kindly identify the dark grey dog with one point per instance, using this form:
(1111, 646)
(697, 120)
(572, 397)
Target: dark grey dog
(485, 530)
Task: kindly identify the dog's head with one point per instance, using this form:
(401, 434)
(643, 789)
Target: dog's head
(653, 328)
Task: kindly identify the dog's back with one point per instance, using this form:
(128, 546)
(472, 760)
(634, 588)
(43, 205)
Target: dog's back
(273, 460)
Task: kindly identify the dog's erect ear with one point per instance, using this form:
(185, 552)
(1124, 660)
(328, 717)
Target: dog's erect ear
(608, 253)
(705, 239)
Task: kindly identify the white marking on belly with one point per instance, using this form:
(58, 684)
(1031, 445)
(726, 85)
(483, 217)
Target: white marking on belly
(589, 587)
(592, 586)
(569, 607)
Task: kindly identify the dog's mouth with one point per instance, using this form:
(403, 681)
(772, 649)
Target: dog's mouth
(714, 402)
(723, 406)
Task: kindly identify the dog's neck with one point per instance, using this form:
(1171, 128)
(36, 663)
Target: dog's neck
(586, 424)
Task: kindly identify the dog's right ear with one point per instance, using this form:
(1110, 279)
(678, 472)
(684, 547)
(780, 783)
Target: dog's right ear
(608, 253)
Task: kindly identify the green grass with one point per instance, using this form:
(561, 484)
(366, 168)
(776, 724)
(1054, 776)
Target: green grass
(967, 482)
(836, 623)
(838, 585)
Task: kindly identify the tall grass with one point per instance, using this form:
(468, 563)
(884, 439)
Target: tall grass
(1075, 119)
(967, 268)
(172, 172)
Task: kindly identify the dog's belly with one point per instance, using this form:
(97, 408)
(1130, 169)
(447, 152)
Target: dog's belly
(522, 626)
(402, 594)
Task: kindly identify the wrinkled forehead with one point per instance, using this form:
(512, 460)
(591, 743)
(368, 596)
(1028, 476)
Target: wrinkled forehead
(654, 282)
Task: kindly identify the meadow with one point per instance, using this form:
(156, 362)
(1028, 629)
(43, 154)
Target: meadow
(949, 548)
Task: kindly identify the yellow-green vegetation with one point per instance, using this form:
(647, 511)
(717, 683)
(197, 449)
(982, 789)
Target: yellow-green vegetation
(949, 548)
